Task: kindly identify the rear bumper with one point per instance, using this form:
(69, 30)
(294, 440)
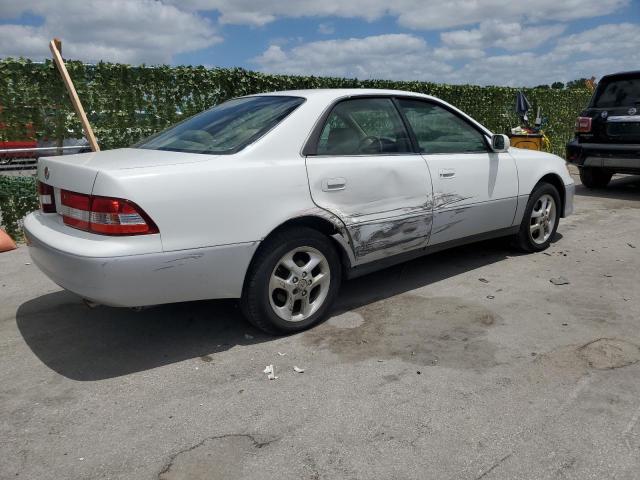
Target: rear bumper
(623, 158)
(140, 279)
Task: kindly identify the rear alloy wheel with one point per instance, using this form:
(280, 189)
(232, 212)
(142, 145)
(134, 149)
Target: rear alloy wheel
(299, 284)
(595, 177)
(292, 282)
(541, 218)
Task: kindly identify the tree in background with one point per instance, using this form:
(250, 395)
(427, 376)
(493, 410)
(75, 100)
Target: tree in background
(579, 83)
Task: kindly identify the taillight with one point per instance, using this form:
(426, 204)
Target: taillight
(104, 215)
(75, 209)
(47, 198)
(583, 124)
(113, 216)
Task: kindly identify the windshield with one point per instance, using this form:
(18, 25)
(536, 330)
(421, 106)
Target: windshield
(226, 128)
(618, 93)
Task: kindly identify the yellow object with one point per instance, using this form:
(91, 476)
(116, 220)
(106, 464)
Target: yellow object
(532, 141)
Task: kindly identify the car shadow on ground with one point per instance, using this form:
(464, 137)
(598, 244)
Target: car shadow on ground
(625, 187)
(424, 271)
(94, 344)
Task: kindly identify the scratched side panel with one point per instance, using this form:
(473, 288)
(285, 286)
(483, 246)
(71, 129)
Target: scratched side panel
(392, 236)
(453, 223)
(474, 193)
(385, 202)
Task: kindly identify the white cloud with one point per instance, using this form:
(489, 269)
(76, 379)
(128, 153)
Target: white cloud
(394, 56)
(604, 49)
(610, 40)
(415, 14)
(495, 33)
(128, 31)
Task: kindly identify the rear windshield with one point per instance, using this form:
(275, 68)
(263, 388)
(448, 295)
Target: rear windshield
(226, 128)
(617, 93)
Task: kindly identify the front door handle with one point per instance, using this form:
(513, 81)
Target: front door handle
(447, 173)
(333, 184)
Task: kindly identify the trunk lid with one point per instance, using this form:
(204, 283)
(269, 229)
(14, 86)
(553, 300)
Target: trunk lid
(78, 172)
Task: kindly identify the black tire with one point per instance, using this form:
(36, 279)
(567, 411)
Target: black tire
(524, 238)
(255, 302)
(595, 177)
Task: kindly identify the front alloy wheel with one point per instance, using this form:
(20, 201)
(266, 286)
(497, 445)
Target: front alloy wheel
(540, 220)
(543, 219)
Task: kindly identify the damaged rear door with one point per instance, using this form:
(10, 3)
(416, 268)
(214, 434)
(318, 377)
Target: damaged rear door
(362, 168)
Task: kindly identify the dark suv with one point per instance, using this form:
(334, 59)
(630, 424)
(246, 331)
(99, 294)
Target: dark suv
(607, 137)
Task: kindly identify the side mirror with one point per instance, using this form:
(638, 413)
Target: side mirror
(500, 143)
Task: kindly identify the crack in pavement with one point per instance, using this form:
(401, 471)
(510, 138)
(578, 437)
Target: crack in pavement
(255, 443)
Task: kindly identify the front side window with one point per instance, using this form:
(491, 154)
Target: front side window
(364, 126)
(438, 130)
(226, 128)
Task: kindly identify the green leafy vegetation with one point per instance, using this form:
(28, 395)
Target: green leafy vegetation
(17, 198)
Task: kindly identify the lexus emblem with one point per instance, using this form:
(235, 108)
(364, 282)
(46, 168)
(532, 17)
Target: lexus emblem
(632, 111)
(46, 173)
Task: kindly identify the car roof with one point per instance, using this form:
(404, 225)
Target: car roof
(632, 73)
(329, 94)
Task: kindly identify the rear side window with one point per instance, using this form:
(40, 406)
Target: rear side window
(364, 126)
(438, 130)
(226, 128)
(617, 93)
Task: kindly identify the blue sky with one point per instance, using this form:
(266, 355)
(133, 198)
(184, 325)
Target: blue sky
(460, 41)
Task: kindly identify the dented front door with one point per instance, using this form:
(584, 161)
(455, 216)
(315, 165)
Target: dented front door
(474, 189)
(365, 173)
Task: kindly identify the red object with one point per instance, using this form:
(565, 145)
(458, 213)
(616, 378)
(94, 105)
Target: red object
(104, 215)
(6, 243)
(47, 198)
(27, 142)
(583, 124)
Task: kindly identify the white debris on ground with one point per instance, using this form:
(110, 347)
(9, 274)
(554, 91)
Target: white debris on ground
(298, 369)
(271, 372)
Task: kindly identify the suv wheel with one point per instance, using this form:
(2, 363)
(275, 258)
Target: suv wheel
(541, 218)
(595, 177)
(292, 282)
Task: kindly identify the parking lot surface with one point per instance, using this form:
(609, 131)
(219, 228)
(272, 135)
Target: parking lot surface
(467, 364)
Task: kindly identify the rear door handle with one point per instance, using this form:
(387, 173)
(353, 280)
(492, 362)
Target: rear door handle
(333, 184)
(447, 173)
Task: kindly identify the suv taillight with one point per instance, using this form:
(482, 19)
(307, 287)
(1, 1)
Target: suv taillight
(583, 124)
(47, 198)
(104, 215)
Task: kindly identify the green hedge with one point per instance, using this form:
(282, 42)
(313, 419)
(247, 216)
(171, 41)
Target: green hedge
(17, 198)
(126, 103)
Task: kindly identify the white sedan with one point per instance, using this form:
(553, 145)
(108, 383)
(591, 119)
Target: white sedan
(275, 198)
